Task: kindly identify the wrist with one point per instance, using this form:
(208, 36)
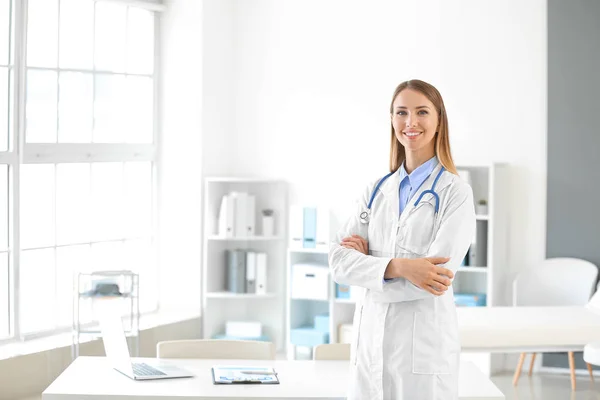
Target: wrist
(397, 268)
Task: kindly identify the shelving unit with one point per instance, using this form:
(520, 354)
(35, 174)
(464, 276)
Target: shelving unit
(219, 305)
(489, 182)
(90, 299)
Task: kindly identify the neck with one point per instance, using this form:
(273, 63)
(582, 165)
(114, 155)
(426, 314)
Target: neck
(414, 159)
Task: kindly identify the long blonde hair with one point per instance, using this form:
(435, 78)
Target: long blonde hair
(442, 141)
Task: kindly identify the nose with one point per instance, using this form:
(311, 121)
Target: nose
(411, 121)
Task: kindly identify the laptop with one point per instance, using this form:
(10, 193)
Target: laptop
(117, 352)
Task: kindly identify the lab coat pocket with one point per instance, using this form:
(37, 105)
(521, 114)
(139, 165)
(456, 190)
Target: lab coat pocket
(418, 229)
(431, 352)
(356, 334)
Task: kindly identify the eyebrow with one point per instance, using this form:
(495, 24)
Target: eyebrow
(402, 107)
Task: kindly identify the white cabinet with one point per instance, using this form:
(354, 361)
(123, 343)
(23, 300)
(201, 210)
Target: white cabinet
(489, 272)
(220, 305)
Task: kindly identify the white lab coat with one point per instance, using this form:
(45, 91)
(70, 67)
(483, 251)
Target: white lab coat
(405, 343)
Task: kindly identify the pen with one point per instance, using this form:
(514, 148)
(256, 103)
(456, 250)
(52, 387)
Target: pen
(258, 372)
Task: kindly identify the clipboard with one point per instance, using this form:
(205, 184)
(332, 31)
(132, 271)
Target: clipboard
(243, 375)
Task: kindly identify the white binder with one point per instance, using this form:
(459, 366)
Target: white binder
(226, 217)
(296, 227)
(240, 200)
(251, 272)
(322, 241)
(261, 273)
(250, 215)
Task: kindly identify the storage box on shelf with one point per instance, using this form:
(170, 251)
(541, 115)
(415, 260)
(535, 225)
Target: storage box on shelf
(243, 269)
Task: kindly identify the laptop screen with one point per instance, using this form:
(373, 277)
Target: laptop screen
(115, 343)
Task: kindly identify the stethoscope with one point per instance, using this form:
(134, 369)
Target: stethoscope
(366, 215)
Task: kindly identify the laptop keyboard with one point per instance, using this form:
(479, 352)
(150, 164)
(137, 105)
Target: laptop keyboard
(141, 369)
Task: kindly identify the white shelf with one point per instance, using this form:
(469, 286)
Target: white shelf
(244, 238)
(218, 179)
(482, 217)
(230, 295)
(481, 270)
(310, 251)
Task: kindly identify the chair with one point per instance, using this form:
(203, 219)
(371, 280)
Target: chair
(555, 282)
(222, 349)
(336, 351)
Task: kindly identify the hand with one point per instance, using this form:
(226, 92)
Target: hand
(357, 243)
(427, 274)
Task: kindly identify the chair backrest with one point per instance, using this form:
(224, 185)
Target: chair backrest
(223, 349)
(334, 351)
(555, 282)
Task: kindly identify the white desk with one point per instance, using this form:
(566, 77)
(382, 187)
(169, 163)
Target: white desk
(90, 378)
(527, 329)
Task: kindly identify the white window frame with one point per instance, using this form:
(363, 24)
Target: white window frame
(20, 152)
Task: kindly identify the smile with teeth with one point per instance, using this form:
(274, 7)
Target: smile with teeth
(412, 134)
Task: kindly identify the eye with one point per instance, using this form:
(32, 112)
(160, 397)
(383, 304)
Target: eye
(401, 113)
(423, 112)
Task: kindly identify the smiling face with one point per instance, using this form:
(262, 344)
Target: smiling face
(415, 123)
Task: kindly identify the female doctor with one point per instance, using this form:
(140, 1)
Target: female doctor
(403, 245)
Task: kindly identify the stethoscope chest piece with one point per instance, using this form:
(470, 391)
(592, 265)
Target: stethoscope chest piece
(364, 217)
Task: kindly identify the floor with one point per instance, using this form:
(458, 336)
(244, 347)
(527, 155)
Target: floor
(542, 386)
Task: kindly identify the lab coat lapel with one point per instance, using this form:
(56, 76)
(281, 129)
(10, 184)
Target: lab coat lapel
(390, 190)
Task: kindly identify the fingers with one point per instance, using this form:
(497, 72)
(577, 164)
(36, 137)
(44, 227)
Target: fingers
(433, 291)
(357, 240)
(438, 260)
(442, 279)
(350, 245)
(444, 271)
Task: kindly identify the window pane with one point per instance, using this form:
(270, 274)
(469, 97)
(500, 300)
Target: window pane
(3, 207)
(138, 199)
(72, 203)
(76, 34)
(69, 261)
(37, 290)
(4, 296)
(140, 257)
(107, 201)
(4, 34)
(75, 107)
(107, 256)
(140, 41)
(37, 205)
(41, 106)
(111, 21)
(42, 33)
(140, 105)
(110, 109)
(4, 108)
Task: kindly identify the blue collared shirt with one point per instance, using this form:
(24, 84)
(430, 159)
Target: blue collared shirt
(410, 183)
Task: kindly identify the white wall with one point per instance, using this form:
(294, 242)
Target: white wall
(180, 157)
(313, 82)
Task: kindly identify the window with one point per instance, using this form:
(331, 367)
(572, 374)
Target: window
(85, 178)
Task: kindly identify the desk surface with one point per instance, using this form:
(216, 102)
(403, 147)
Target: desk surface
(520, 329)
(90, 378)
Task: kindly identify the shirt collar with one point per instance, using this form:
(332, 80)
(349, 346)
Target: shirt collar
(420, 174)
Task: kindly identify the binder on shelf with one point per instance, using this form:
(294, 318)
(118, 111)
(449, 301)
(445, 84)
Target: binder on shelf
(261, 273)
(481, 240)
(226, 217)
(240, 201)
(251, 272)
(322, 235)
(236, 271)
(310, 228)
(250, 215)
(296, 227)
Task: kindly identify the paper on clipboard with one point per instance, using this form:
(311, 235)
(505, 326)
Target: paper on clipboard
(239, 374)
